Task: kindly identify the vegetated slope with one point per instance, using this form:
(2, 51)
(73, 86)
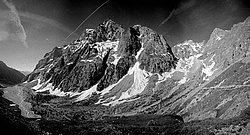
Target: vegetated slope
(9, 76)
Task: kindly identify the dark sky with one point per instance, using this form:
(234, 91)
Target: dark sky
(45, 24)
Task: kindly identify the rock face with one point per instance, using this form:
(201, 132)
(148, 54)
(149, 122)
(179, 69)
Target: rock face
(135, 70)
(103, 58)
(9, 76)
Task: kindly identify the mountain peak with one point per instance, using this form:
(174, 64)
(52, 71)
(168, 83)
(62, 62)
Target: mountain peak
(103, 57)
(107, 30)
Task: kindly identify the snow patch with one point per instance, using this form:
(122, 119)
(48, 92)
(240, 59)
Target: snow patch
(183, 80)
(87, 93)
(208, 68)
(196, 47)
(139, 52)
(140, 82)
(162, 77)
(57, 92)
(38, 85)
(115, 46)
(65, 47)
(116, 59)
(185, 66)
(87, 60)
(12, 104)
(103, 47)
(89, 30)
(218, 37)
(107, 90)
(69, 63)
(50, 60)
(46, 86)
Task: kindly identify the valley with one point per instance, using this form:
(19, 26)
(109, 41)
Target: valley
(114, 80)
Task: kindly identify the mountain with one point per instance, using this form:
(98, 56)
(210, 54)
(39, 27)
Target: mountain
(102, 58)
(9, 76)
(113, 71)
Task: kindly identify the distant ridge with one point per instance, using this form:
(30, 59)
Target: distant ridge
(25, 72)
(9, 76)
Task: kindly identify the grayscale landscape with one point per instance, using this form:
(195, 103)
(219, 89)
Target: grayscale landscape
(125, 67)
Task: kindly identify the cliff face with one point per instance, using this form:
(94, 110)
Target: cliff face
(135, 70)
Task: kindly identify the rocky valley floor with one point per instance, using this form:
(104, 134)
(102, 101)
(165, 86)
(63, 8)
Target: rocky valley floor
(79, 119)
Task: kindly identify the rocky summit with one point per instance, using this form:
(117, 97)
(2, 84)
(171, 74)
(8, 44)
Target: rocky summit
(113, 71)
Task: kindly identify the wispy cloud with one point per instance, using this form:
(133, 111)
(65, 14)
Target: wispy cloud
(3, 35)
(14, 17)
(181, 8)
(42, 19)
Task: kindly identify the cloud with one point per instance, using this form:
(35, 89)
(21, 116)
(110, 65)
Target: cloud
(14, 18)
(4, 35)
(40, 21)
(46, 20)
(181, 8)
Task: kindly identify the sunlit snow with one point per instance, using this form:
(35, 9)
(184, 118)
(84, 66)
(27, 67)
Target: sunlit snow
(87, 93)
